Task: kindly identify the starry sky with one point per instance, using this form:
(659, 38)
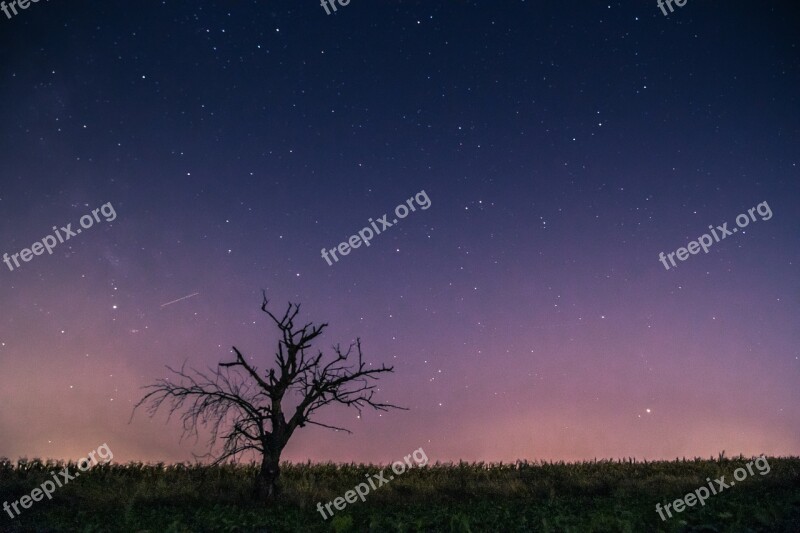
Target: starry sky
(562, 145)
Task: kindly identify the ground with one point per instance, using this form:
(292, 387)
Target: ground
(597, 496)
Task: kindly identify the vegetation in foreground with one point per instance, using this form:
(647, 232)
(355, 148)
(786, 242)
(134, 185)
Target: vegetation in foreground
(596, 496)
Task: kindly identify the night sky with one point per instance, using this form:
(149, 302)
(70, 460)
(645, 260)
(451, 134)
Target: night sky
(562, 145)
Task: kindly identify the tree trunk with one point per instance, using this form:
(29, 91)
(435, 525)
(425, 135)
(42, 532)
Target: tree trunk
(267, 482)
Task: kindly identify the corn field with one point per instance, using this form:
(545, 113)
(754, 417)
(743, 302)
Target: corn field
(594, 496)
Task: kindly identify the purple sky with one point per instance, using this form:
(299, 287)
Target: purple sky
(526, 313)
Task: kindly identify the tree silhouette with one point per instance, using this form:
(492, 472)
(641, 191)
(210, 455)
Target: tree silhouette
(247, 409)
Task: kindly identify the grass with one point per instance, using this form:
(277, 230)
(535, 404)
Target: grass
(592, 496)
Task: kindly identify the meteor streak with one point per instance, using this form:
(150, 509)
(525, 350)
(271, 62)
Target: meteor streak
(179, 299)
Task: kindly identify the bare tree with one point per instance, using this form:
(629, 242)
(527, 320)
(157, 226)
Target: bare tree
(248, 409)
